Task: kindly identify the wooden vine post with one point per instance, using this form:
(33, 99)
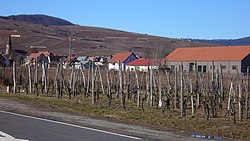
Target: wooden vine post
(109, 90)
(29, 75)
(46, 78)
(93, 84)
(182, 96)
(231, 92)
(138, 89)
(221, 97)
(121, 85)
(160, 90)
(14, 77)
(88, 81)
(147, 85)
(84, 81)
(100, 77)
(61, 79)
(197, 85)
(192, 96)
(36, 78)
(176, 97)
(214, 109)
(151, 87)
(70, 89)
(240, 103)
(56, 81)
(20, 75)
(247, 95)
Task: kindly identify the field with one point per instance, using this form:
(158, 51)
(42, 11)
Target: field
(215, 104)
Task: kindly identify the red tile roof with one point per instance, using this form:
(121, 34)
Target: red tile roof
(145, 62)
(34, 55)
(221, 53)
(68, 60)
(120, 57)
(46, 53)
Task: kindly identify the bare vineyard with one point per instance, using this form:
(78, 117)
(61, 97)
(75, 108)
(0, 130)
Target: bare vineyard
(215, 94)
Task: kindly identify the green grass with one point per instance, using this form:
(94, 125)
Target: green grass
(222, 127)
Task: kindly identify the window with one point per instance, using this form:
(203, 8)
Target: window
(223, 67)
(199, 68)
(191, 67)
(234, 67)
(204, 68)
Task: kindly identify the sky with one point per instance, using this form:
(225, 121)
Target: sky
(199, 19)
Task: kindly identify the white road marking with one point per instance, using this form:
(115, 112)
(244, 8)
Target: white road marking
(7, 137)
(72, 125)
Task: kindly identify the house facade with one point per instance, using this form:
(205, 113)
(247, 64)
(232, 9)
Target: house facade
(143, 64)
(123, 59)
(232, 59)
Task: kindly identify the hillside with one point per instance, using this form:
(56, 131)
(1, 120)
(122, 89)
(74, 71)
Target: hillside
(40, 19)
(89, 41)
(224, 42)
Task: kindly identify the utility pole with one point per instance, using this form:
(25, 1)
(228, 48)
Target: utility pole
(70, 44)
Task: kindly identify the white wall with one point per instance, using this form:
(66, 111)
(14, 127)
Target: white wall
(140, 68)
(115, 66)
(217, 64)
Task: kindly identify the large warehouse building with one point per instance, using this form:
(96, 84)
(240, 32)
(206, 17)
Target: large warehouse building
(231, 59)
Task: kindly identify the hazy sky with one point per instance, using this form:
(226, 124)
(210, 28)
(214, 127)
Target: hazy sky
(210, 19)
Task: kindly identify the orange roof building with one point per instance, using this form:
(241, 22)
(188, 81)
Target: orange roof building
(122, 58)
(226, 58)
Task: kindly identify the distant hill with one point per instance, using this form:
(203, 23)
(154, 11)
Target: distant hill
(230, 42)
(40, 19)
(90, 41)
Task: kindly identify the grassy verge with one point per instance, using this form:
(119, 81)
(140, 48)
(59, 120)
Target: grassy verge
(221, 127)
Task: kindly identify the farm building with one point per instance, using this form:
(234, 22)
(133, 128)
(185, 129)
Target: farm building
(41, 56)
(70, 61)
(81, 60)
(44, 56)
(142, 64)
(123, 58)
(78, 62)
(231, 59)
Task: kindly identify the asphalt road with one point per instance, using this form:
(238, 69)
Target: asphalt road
(18, 127)
(22, 127)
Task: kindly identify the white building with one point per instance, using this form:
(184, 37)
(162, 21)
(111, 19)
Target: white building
(123, 59)
(143, 64)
